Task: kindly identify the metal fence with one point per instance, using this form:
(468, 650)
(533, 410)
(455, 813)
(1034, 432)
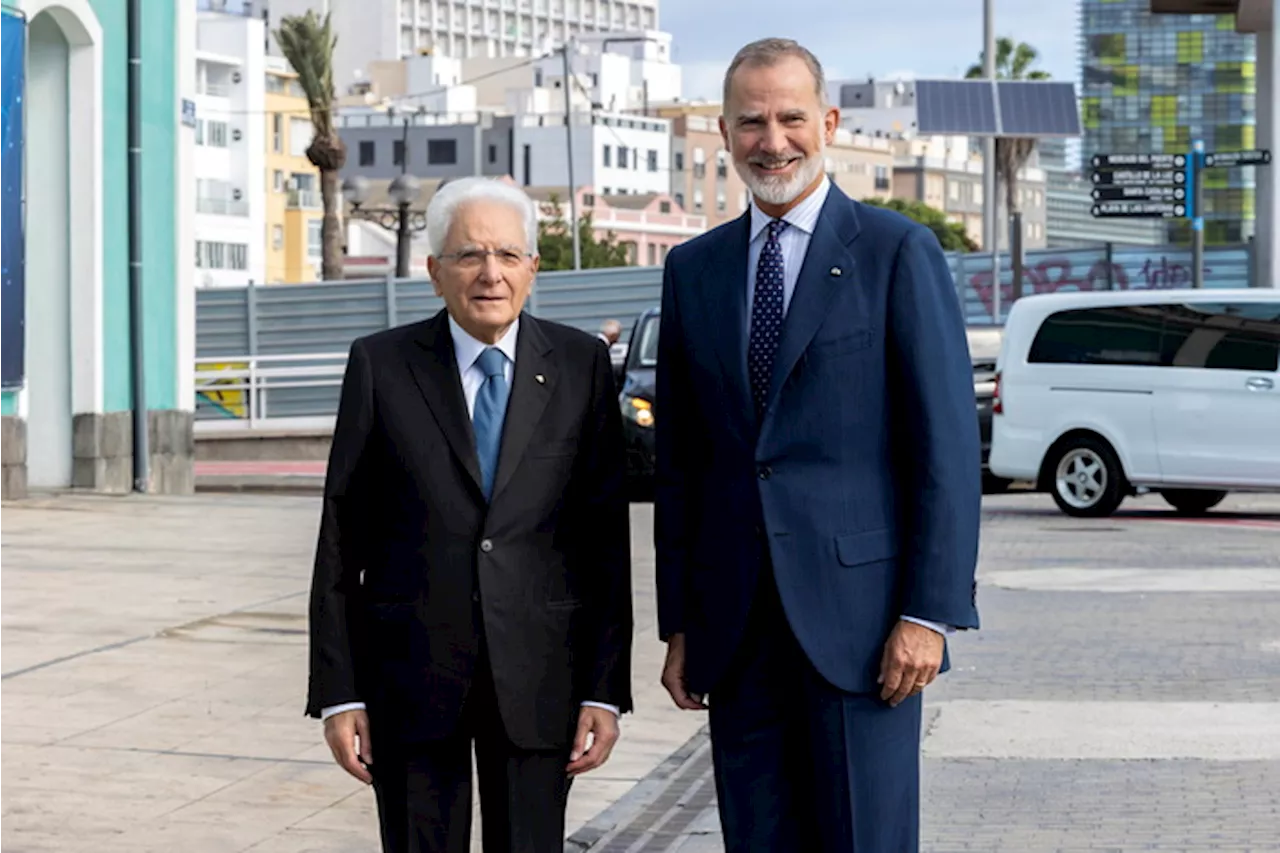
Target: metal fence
(245, 335)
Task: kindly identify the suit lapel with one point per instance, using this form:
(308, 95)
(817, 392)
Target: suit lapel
(722, 288)
(827, 267)
(435, 369)
(532, 383)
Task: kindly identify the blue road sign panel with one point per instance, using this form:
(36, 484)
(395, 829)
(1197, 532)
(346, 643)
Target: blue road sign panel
(1140, 178)
(1257, 157)
(1038, 108)
(1143, 209)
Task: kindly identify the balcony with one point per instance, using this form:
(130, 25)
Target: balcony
(305, 200)
(221, 206)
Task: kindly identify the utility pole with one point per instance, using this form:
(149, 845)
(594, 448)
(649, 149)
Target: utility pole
(568, 137)
(990, 190)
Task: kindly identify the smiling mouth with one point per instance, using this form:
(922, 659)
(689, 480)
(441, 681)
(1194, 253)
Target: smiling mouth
(773, 167)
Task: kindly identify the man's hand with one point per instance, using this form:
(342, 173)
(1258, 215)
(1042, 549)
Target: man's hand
(348, 737)
(673, 676)
(912, 658)
(601, 725)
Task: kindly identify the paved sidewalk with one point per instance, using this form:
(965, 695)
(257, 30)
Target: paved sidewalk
(154, 676)
(1123, 694)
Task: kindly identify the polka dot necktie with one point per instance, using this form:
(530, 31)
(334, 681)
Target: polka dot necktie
(766, 315)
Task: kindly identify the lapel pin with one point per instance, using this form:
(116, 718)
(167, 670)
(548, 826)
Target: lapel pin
(835, 271)
(540, 379)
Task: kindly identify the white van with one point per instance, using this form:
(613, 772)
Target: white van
(1100, 395)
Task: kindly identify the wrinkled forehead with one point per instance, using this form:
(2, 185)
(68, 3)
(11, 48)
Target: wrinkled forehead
(487, 224)
(766, 91)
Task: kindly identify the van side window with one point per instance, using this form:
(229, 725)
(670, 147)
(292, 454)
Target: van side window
(1123, 334)
(1223, 336)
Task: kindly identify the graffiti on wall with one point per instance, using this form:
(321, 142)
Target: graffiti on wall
(1053, 274)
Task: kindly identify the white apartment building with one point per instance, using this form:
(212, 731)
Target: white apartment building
(229, 157)
(615, 154)
(373, 30)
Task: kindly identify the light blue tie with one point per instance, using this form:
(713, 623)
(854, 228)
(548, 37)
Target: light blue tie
(490, 409)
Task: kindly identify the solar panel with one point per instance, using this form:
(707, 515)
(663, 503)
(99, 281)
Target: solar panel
(1038, 108)
(955, 107)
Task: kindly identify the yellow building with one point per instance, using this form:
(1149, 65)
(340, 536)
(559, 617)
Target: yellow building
(293, 209)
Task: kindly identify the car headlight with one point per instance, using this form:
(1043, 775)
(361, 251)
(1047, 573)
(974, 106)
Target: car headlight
(638, 410)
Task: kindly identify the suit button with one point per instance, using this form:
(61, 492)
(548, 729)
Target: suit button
(765, 472)
(486, 546)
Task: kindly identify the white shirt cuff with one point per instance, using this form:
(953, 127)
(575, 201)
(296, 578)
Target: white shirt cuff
(338, 709)
(941, 629)
(607, 707)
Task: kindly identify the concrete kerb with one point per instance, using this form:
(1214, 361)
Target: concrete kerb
(643, 794)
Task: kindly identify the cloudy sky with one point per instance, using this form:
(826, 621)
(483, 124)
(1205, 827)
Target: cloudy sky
(857, 38)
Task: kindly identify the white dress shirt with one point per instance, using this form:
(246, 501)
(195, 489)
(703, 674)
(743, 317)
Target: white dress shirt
(467, 351)
(794, 242)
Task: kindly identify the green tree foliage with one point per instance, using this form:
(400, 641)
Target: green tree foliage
(951, 235)
(555, 242)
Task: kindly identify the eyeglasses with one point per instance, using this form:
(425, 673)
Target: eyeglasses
(475, 258)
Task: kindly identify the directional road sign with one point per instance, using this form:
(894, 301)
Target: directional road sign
(1139, 193)
(1257, 157)
(1140, 177)
(1139, 161)
(1147, 209)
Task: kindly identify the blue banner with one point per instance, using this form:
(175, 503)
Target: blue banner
(13, 44)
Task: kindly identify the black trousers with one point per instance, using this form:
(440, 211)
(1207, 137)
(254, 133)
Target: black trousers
(801, 766)
(424, 791)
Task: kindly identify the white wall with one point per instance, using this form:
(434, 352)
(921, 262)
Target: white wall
(48, 312)
(549, 156)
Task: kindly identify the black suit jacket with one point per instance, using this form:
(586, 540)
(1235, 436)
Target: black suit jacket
(413, 568)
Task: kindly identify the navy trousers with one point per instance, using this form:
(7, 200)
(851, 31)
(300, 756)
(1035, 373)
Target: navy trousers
(802, 766)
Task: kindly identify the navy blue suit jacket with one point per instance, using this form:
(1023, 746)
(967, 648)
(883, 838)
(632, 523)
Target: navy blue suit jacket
(862, 481)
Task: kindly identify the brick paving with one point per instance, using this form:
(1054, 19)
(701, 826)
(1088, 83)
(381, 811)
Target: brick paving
(1062, 648)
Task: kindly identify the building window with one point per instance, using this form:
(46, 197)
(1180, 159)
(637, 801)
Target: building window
(277, 237)
(622, 157)
(678, 159)
(722, 164)
(315, 238)
(221, 256)
(697, 201)
(588, 200)
(366, 153)
(397, 152)
(721, 204)
(300, 135)
(653, 254)
(277, 181)
(277, 133)
(211, 133)
(679, 197)
(664, 207)
(653, 160)
(493, 154)
(608, 155)
(442, 152)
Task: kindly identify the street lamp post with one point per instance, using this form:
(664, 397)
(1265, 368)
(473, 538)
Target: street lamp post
(401, 218)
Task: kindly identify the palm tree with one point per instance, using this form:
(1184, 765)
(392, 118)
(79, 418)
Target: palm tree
(307, 42)
(1013, 62)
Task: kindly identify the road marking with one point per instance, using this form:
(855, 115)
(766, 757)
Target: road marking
(1212, 731)
(1079, 579)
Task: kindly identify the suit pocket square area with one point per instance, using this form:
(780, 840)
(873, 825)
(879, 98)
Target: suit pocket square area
(869, 546)
(850, 341)
(553, 449)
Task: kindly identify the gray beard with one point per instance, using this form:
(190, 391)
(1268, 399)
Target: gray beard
(782, 190)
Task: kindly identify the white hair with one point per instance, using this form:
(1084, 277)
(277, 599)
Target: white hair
(445, 203)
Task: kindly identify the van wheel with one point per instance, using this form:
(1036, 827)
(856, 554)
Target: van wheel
(1192, 501)
(1086, 479)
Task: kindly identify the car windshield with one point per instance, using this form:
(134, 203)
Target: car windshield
(648, 345)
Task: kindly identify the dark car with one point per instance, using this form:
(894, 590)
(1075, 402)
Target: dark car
(636, 398)
(984, 348)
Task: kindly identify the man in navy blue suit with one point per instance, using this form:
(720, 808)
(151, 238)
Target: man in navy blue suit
(818, 482)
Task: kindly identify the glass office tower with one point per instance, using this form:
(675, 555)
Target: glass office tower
(1153, 83)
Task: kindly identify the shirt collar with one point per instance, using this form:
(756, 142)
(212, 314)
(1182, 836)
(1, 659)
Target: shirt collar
(803, 216)
(468, 349)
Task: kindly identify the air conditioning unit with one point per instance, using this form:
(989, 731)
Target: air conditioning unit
(235, 77)
(236, 135)
(236, 195)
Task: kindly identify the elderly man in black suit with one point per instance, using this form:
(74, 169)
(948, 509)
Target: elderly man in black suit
(472, 577)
